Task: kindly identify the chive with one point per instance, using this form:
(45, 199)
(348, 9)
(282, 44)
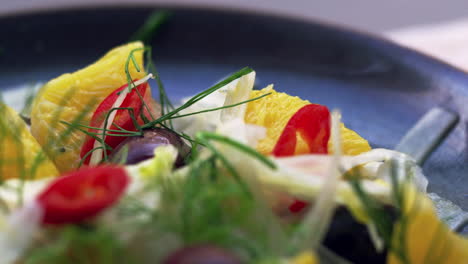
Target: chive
(228, 166)
(89, 153)
(164, 101)
(221, 107)
(131, 58)
(199, 97)
(144, 106)
(135, 64)
(206, 136)
(373, 209)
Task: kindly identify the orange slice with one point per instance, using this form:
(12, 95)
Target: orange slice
(274, 111)
(74, 95)
(21, 155)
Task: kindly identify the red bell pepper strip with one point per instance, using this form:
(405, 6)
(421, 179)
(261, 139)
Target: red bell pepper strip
(297, 206)
(82, 194)
(122, 118)
(312, 122)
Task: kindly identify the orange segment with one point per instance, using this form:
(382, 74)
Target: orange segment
(65, 97)
(306, 257)
(426, 238)
(274, 111)
(20, 154)
(353, 143)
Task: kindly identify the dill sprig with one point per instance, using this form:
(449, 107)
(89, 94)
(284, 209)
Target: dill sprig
(375, 211)
(205, 207)
(221, 107)
(199, 97)
(384, 223)
(168, 111)
(105, 127)
(54, 145)
(76, 244)
(206, 137)
(161, 121)
(164, 101)
(131, 58)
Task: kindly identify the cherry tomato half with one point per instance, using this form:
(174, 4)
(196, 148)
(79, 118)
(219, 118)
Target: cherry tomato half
(82, 194)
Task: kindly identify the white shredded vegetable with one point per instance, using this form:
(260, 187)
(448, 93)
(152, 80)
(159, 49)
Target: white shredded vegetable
(232, 93)
(321, 214)
(17, 231)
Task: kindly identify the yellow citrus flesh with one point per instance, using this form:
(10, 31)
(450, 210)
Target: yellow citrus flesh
(424, 238)
(306, 257)
(68, 96)
(20, 154)
(274, 111)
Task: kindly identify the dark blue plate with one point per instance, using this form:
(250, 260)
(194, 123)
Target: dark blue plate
(381, 88)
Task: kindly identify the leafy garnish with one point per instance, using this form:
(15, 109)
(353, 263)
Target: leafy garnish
(207, 136)
(375, 211)
(160, 121)
(221, 107)
(204, 207)
(164, 101)
(79, 244)
(379, 218)
(199, 97)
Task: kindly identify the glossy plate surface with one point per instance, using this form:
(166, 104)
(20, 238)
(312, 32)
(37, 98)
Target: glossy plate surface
(382, 89)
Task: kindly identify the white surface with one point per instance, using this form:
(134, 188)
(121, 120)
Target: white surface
(447, 41)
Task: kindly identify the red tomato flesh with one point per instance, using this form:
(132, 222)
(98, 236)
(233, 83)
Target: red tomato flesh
(312, 122)
(82, 194)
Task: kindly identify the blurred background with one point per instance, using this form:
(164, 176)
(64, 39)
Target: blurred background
(368, 15)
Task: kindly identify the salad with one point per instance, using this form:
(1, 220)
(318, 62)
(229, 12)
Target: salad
(105, 173)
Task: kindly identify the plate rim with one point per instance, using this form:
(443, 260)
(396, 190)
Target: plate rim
(58, 6)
